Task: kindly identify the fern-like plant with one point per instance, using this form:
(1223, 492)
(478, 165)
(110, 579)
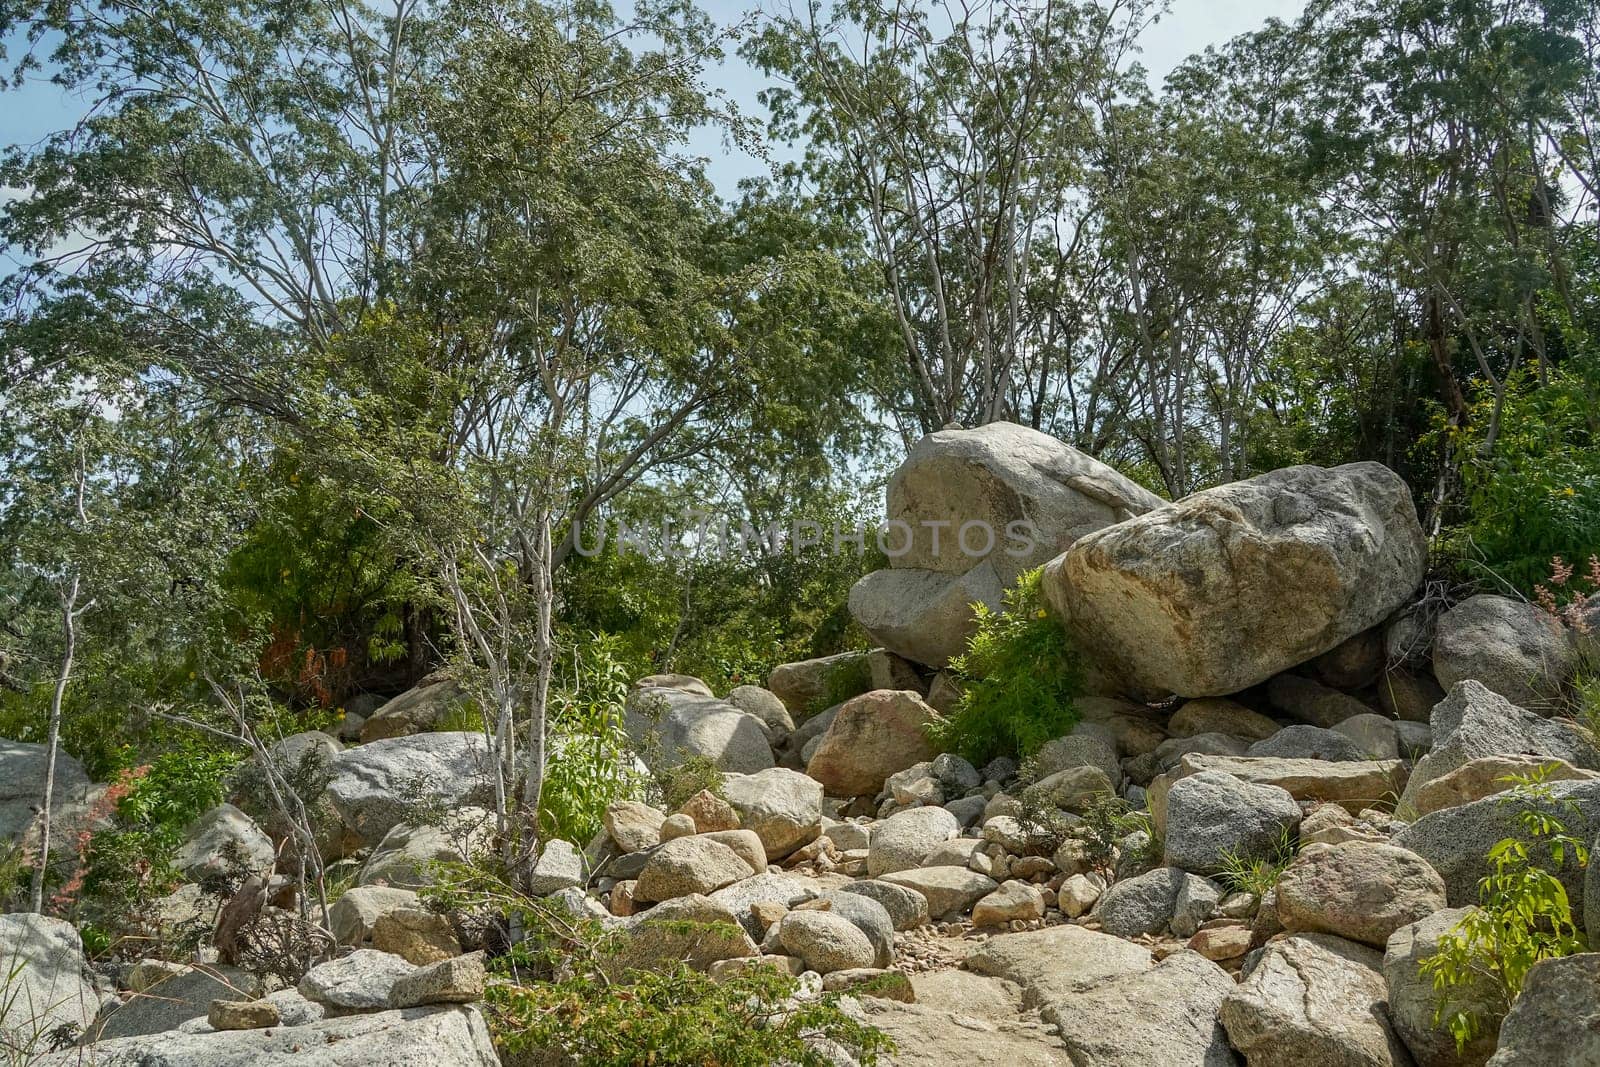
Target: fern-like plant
(1019, 676)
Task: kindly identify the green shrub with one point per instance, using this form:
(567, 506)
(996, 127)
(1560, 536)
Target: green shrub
(1019, 676)
(590, 767)
(1537, 494)
(1523, 915)
(563, 993)
(846, 679)
(685, 779)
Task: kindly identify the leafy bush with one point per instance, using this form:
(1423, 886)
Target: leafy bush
(1019, 676)
(685, 779)
(1537, 494)
(590, 767)
(1523, 915)
(562, 992)
(844, 680)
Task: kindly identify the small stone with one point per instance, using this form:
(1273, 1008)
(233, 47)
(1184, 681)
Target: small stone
(710, 813)
(1012, 901)
(1032, 867)
(416, 936)
(764, 913)
(459, 980)
(560, 866)
(1218, 943)
(633, 826)
(1079, 893)
(676, 826)
(242, 1014)
(622, 898)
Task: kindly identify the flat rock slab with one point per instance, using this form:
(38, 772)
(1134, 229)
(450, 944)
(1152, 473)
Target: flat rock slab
(417, 1037)
(1050, 964)
(926, 1035)
(1354, 785)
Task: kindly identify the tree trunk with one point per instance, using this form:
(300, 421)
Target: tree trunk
(69, 626)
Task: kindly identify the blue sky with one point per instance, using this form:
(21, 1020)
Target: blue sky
(38, 108)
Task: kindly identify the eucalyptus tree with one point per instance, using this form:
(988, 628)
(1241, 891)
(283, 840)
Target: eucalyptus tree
(456, 255)
(954, 135)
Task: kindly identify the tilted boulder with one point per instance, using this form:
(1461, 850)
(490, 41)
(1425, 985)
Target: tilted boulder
(1486, 776)
(970, 510)
(668, 725)
(1473, 721)
(872, 736)
(1230, 586)
(995, 475)
(1512, 647)
(925, 616)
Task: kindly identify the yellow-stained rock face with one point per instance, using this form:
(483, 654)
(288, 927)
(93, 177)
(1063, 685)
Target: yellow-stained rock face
(1228, 587)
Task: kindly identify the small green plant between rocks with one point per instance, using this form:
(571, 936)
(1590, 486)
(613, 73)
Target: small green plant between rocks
(1523, 915)
(562, 990)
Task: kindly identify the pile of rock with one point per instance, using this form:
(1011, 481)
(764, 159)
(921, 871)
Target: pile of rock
(1280, 797)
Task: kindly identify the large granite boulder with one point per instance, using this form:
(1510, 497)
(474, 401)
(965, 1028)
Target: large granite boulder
(1165, 1015)
(925, 616)
(1512, 647)
(418, 710)
(970, 510)
(224, 841)
(783, 807)
(1231, 586)
(990, 477)
(1557, 1017)
(175, 1000)
(22, 774)
(904, 839)
(1414, 1003)
(1213, 818)
(668, 725)
(403, 857)
(1473, 721)
(377, 786)
(1358, 890)
(1456, 841)
(1142, 905)
(48, 985)
(1314, 1001)
(871, 737)
(689, 865)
